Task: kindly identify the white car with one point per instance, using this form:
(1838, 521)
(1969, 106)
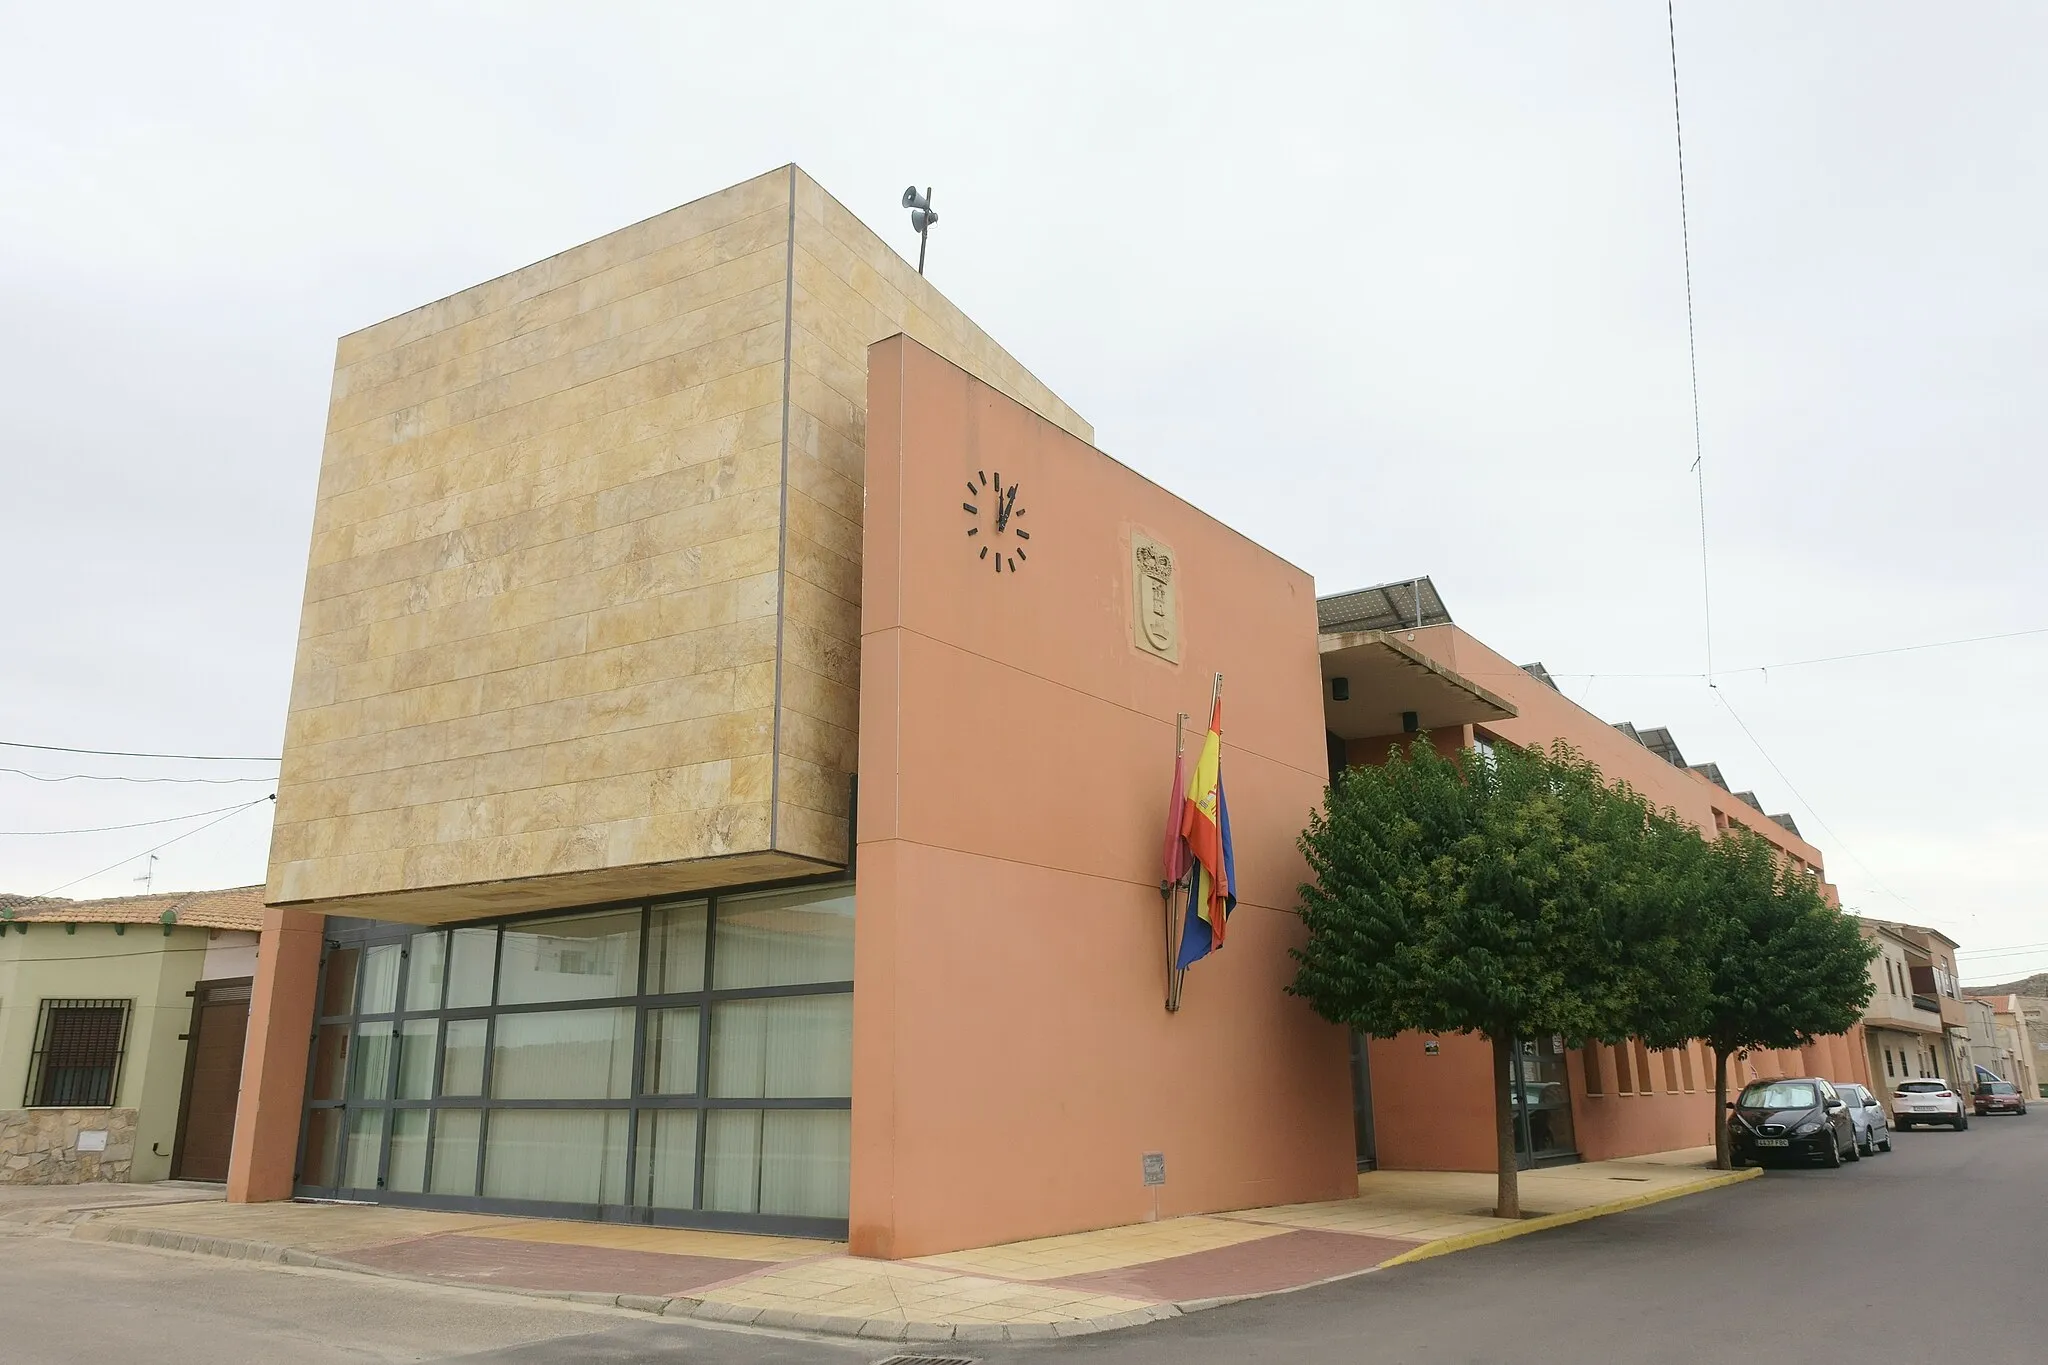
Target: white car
(1873, 1134)
(1918, 1102)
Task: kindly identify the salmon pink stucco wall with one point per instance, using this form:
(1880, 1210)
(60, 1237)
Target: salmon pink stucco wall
(1013, 1061)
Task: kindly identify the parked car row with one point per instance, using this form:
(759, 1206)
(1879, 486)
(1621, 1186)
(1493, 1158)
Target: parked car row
(1808, 1118)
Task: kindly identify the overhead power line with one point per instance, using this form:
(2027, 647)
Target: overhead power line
(232, 812)
(1817, 817)
(129, 753)
(104, 829)
(118, 777)
(1692, 347)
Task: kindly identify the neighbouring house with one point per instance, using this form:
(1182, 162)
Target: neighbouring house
(1985, 1053)
(2034, 1010)
(121, 1030)
(1911, 1029)
(2013, 1040)
(1936, 986)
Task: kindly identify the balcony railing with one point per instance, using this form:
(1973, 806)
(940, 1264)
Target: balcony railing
(1928, 1003)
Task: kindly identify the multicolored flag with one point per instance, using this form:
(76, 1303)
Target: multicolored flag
(1205, 827)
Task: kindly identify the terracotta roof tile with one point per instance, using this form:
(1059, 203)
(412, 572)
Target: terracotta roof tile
(234, 907)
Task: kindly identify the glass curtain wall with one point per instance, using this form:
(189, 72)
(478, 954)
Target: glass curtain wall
(685, 1062)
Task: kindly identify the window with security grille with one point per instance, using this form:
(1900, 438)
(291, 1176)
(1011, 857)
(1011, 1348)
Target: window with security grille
(77, 1059)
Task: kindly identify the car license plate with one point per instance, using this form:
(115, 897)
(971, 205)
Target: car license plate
(1774, 1142)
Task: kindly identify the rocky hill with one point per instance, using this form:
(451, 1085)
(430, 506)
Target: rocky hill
(2037, 984)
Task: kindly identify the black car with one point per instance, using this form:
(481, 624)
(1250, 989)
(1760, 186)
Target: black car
(1799, 1119)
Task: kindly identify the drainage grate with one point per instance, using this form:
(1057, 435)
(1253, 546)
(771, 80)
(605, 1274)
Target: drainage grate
(929, 1360)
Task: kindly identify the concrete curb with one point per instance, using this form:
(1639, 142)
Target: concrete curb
(87, 1229)
(1444, 1246)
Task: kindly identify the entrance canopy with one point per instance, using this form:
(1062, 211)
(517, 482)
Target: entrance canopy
(1383, 677)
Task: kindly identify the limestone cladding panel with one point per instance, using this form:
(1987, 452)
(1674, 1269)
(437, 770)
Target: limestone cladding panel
(583, 594)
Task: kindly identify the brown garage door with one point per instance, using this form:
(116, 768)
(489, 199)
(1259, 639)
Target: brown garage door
(213, 1077)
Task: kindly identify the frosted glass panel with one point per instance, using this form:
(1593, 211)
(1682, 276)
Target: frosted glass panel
(370, 1067)
(408, 1151)
(416, 1042)
(668, 1159)
(732, 1160)
(425, 964)
(782, 1161)
(571, 1156)
(365, 1141)
(671, 1053)
(784, 938)
(455, 1143)
(380, 979)
(472, 955)
(563, 1055)
(462, 1069)
(790, 1047)
(675, 958)
(577, 957)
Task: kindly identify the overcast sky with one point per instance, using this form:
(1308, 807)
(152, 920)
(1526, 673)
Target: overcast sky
(1395, 288)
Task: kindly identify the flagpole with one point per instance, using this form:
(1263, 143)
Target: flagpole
(1178, 978)
(1167, 889)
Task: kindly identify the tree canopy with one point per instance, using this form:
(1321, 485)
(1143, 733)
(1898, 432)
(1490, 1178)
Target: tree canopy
(1508, 893)
(1784, 966)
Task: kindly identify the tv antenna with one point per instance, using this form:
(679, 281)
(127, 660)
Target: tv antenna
(921, 218)
(148, 877)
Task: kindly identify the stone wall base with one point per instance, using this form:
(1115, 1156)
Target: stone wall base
(41, 1146)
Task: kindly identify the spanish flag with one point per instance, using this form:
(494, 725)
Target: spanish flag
(1205, 824)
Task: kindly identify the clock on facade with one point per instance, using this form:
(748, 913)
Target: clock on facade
(994, 526)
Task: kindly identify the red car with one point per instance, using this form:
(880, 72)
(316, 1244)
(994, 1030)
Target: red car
(1998, 1097)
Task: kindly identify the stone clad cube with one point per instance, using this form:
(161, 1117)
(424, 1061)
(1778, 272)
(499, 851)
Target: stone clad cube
(582, 611)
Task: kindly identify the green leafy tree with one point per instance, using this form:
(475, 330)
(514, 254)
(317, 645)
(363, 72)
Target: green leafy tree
(1509, 894)
(1786, 967)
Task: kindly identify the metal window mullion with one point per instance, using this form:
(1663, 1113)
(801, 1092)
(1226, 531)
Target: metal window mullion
(704, 1048)
(397, 1046)
(483, 1117)
(633, 1085)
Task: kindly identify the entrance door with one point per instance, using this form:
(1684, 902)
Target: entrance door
(1361, 1100)
(1543, 1104)
(213, 1077)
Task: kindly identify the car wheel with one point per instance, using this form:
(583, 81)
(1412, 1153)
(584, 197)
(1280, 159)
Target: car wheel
(1962, 1121)
(1867, 1146)
(1832, 1157)
(1886, 1145)
(1855, 1152)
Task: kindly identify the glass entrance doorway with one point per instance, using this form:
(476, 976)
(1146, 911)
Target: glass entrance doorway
(1543, 1104)
(1361, 1101)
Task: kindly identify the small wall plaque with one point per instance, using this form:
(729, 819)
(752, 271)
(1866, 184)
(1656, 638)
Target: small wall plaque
(1154, 1164)
(1430, 1048)
(92, 1140)
(1155, 597)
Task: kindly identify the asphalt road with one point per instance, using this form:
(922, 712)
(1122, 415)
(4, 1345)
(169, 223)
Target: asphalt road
(1933, 1252)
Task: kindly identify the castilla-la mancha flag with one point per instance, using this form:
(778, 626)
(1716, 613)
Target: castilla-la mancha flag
(1205, 825)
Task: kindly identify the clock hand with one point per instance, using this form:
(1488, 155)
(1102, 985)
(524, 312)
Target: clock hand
(1003, 511)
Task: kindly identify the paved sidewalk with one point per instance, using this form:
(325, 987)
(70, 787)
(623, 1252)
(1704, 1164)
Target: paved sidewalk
(1055, 1286)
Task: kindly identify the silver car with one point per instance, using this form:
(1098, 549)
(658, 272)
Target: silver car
(1873, 1134)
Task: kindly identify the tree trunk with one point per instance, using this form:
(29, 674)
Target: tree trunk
(1720, 1108)
(1508, 1200)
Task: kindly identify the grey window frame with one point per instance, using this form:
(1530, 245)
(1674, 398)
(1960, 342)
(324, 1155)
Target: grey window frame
(362, 935)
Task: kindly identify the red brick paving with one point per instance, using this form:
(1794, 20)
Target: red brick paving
(547, 1265)
(1259, 1267)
